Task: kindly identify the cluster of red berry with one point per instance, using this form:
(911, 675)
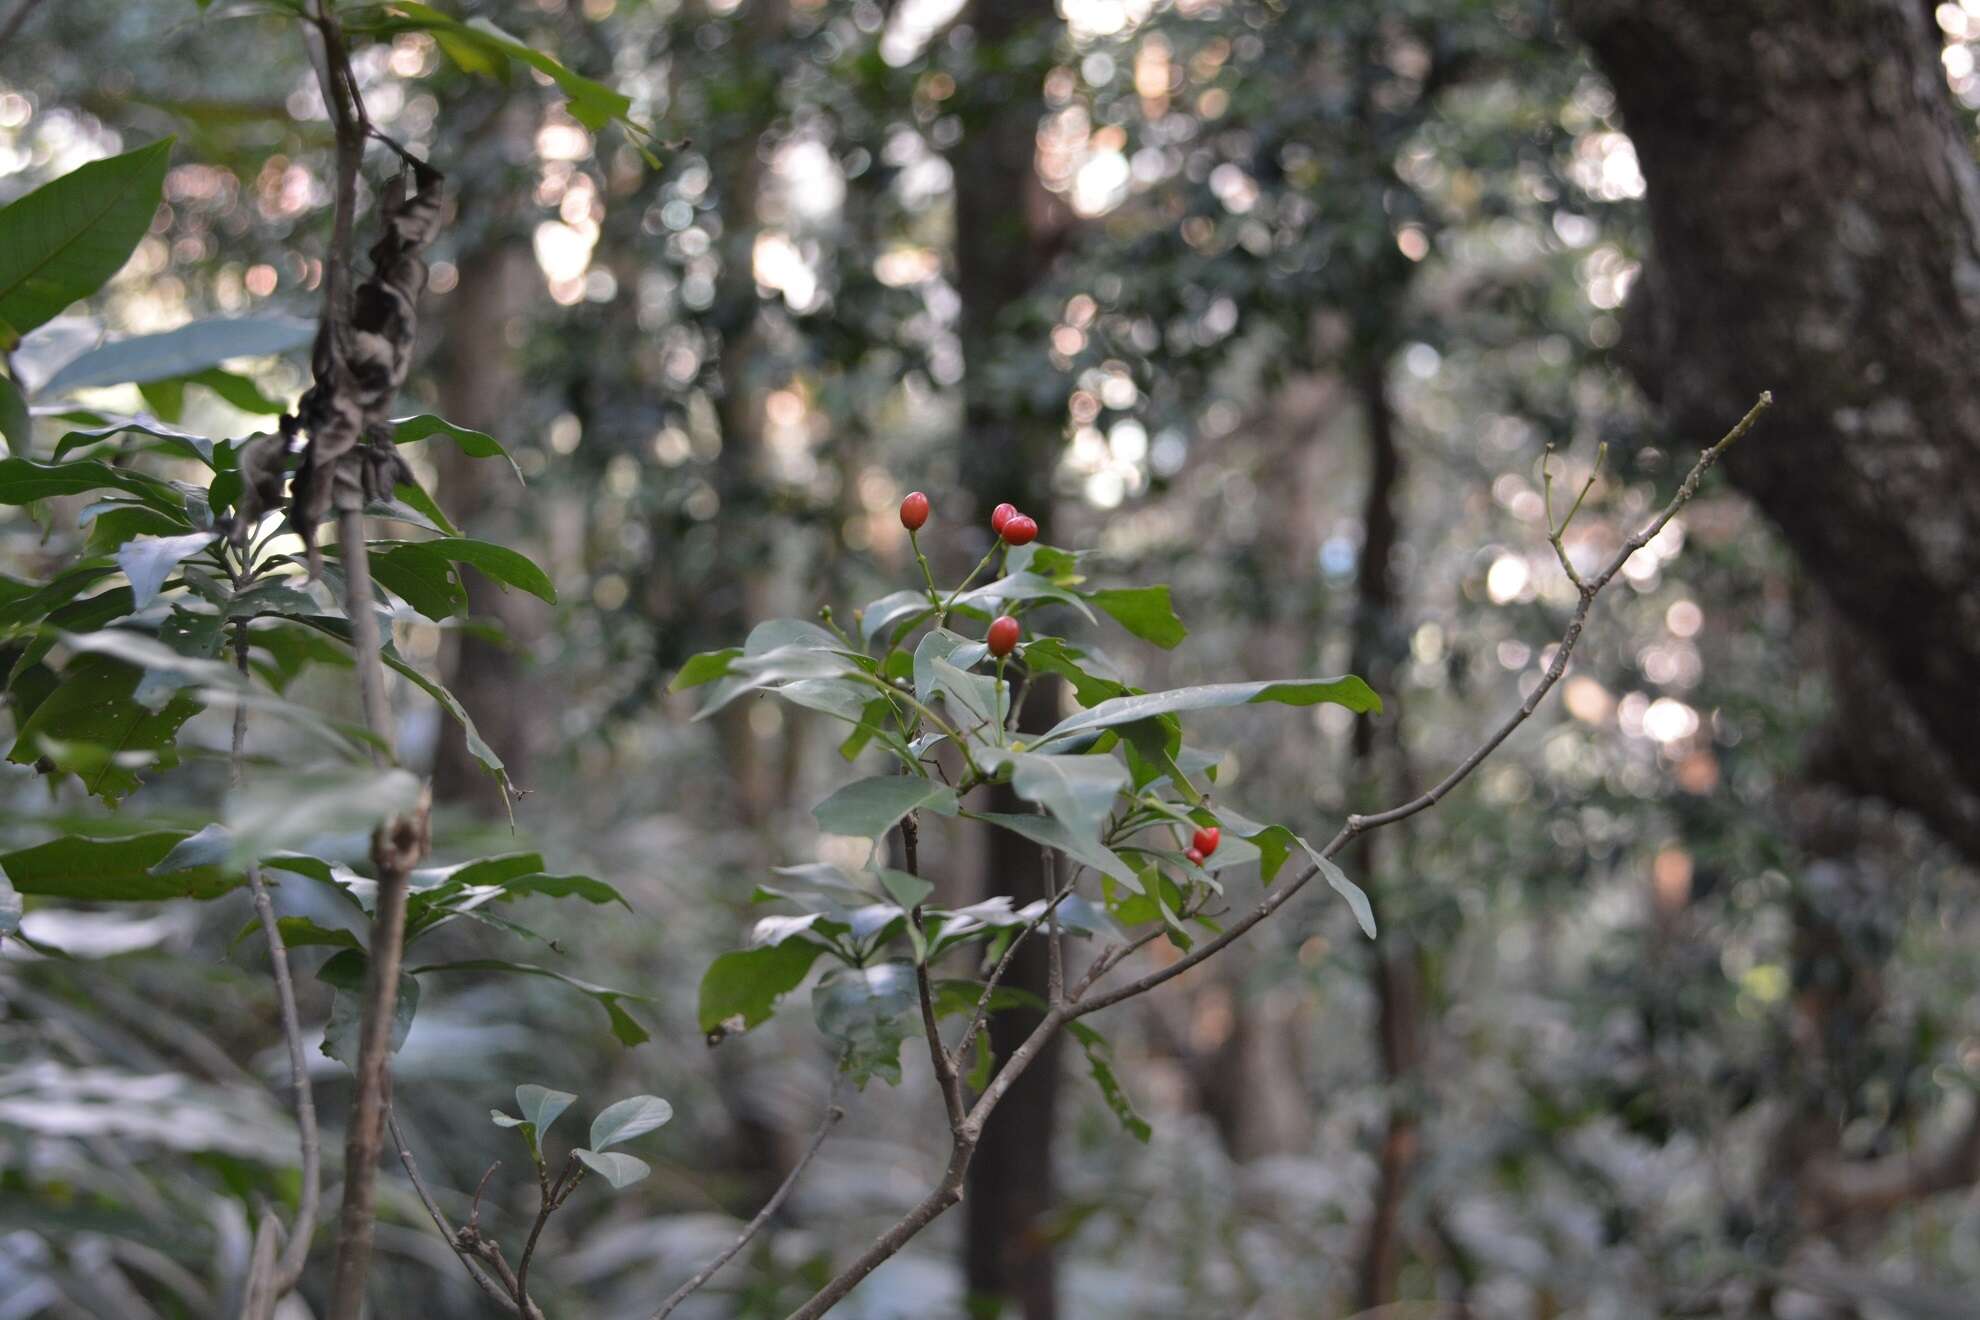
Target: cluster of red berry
(1015, 528)
(1203, 843)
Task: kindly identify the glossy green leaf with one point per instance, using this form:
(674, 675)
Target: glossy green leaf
(542, 1106)
(628, 1118)
(497, 561)
(868, 808)
(704, 668)
(1079, 790)
(1050, 832)
(1146, 612)
(867, 1012)
(95, 705)
(1097, 1061)
(185, 352)
(16, 423)
(591, 103)
(1347, 691)
(740, 990)
(346, 971)
(148, 560)
(62, 241)
(475, 444)
(615, 1167)
(132, 868)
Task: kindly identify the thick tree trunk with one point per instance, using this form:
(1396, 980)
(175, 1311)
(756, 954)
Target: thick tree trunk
(1815, 217)
(1002, 248)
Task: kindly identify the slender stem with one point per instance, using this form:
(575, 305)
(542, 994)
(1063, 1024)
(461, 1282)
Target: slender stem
(553, 1196)
(963, 586)
(498, 1292)
(944, 1063)
(295, 1254)
(833, 1113)
(927, 573)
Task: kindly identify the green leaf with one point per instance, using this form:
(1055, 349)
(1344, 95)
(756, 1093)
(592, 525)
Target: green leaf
(10, 907)
(95, 705)
(625, 1027)
(1050, 832)
(62, 241)
(148, 560)
(421, 577)
(909, 891)
(120, 870)
(591, 103)
(891, 610)
(497, 561)
(16, 423)
(542, 1106)
(1079, 790)
(346, 972)
(740, 990)
(867, 1012)
(704, 668)
(784, 664)
(475, 444)
(627, 1119)
(23, 481)
(1054, 655)
(182, 353)
(1364, 914)
(992, 597)
(1144, 611)
(978, 703)
(171, 440)
(1347, 691)
(868, 808)
(1110, 1087)
(617, 1168)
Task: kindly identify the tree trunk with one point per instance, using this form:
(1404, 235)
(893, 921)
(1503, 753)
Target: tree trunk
(1002, 248)
(1815, 220)
(480, 387)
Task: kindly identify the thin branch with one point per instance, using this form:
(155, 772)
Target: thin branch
(465, 1243)
(398, 844)
(948, 1190)
(295, 1254)
(553, 1196)
(22, 12)
(945, 1063)
(833, 1113)
(981, 1015)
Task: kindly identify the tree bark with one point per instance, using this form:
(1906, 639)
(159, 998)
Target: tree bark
(1815, 223)
(1003, 244)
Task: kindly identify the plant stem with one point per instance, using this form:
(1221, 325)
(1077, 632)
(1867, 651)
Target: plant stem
(295, 1254)
(833, 1113)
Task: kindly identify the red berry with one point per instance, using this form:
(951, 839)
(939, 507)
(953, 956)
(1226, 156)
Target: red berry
(1020, 529)
(1000, 515)
(914, 511)
(1195, 855)
(1003, 635)
(1206, 839)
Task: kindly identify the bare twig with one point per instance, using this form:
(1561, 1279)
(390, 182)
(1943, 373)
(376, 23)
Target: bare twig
(948, 1190)
(997, 973)
(833, 1113)
(467, 1243)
